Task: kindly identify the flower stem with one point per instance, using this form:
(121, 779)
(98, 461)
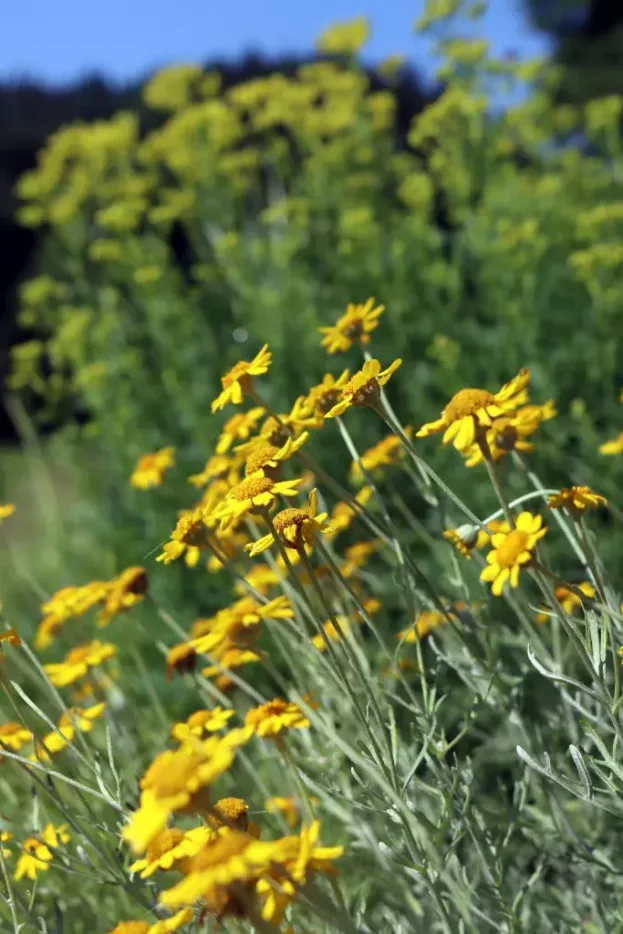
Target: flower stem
(483, 444)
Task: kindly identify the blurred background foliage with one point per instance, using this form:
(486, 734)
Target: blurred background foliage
(175, 228)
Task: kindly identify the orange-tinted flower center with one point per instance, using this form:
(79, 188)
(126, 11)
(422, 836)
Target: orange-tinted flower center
(467, 402)
(251, 487)
(232, 811)
(275, 432)
(512, 546)
(238, 371)
(289, 517)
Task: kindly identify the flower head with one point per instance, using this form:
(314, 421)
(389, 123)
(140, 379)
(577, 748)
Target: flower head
(13, 736)
(253, 493)
(570, 600)
(189, 533)
(466, 538)
(471, 411)
(274, 717)
(238, 428)
(511, 551)
(424, 624)
(612, 447)
(364, 387)
(295, 527)
(238, 382)
(10, 636)
(577, 499)
(38, 852)
(151, 468)
(322, 397)
(78, 662)
(125, 591)
(265, 459)
(390, 450)
(202, 722)
(510, 432)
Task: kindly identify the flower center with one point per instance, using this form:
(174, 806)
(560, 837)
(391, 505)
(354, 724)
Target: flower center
(512, 546)
(467, 402)
(288, 517)
(353, 329)
(164, 842)
(251, 487)
(275, 432)
(260, 458)
(362, 393)
(232, 810)
(326, 400)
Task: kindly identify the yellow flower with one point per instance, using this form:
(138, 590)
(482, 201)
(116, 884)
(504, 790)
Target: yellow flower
(468, 537)
(334, 634)
(577, 499)
(5, 836)
(425, 623)
(13, 736)
(238, 382)
(229, 656)
(509, 433)
(238, 428)
(390, 450)
(170, 846)
(165, 926)
(356, 324)
(201, 722)
(322, 397)
(286, 806)
(261, 578)
(189, 533)
(274, 717)
(265, 459)
(277, 430)
(78, 661)
(218, 467)
(125, 591)
(512, 551)
(251, 494)
(54, 742)
(569, 601)
(230, 812)
(151, 468)
(364, 387)
(357, 556)
(175, 781)
(6, 510)
(295, 527)
(471, 411)
(38, 852)
(10, 636)
(82, 717)
(343, 514)
(66, 603)
(345, 37)
(612, 447)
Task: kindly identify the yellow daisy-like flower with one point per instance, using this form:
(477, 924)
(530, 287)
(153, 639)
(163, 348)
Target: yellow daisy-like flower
(385, 453)
(510, 432)
(265, 459)
(277, 429)
(471, 411)
(13, 736)
(165, 926)
(321, 398)
(356, 324)
(6, 510)
(218, 467)
(251, 494)
(176, 781)
(569, 600)
(38, 852)
(68, 603)
(343, 514)
(238, 382)
(78, 662)
(295, 527)
(577, 499)
(151, 468)
(272, 718)
(189, 533)
(425, 623)
(238, 428)
(125, 591)
(612, 447)
(364, 387)
(170, 846)
(357, 556)
(512, 551)
(10, 636)
(201, 722)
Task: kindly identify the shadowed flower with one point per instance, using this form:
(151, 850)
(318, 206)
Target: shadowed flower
(388, 451)
(424, 624)
(471, 411)
(265, 459)
(238, 428)
(321, 398)
(189, 533)
(125, 591)
(569, 600)
(170, 846)
(151, 468)
(238, 382)
(364, 387)
(295, 527)
(512, 551)
(10, 636)
(576, 499)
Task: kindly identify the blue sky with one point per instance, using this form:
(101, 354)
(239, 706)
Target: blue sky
(62, 40)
